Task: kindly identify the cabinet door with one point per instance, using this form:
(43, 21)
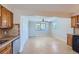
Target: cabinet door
(9, 19)
(0, 10)
(69, 39)
(0, 17)
(74, 21)
(78, 21)
(4, 18)
(7, 49)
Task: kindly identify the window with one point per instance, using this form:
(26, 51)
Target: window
(37, 26)
(41, 26)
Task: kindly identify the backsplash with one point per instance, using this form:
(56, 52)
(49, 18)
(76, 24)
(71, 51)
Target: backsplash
(15, 30)
(1, 33)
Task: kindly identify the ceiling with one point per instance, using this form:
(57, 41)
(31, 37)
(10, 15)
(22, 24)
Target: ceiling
(63, 10)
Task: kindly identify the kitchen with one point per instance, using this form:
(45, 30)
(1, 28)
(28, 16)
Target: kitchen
(72, 39)
(14, 35)
(9, 32)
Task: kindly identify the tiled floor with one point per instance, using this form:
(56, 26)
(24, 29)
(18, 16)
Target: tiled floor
(46, 45)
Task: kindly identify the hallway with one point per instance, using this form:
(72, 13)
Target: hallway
(46, 45)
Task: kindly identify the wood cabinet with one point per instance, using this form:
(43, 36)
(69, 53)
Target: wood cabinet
(9, 22)
(0, 10)
(7, 49)
(75, 21)
(6, 20)
(69, 39)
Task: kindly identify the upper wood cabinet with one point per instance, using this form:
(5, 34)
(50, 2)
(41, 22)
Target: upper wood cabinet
(6, 20)
(75, 21)
(0, 11)
(9, 19)
(0, 15)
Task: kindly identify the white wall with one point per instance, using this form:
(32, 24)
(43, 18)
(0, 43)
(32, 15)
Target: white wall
(34, 32)
(23, 32)
(32, 26)
(62, 28)
(16, 16)
(63, 25)
(59, 31)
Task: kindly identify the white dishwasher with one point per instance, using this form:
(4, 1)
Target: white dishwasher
(16, 46)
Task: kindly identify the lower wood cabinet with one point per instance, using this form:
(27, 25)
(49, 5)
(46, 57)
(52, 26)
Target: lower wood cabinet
(69, 39)
(7, 49)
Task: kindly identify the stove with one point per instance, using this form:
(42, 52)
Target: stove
(75, 43)
(3, 41)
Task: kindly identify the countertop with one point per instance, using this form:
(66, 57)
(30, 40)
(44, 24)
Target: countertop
(73, 34)
(10, 39)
